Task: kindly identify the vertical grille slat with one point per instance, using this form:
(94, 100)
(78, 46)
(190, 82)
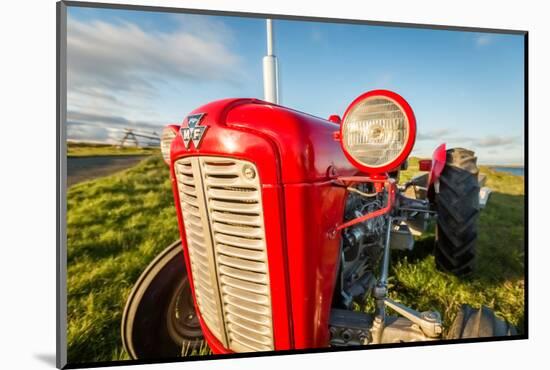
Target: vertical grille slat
(223, 219)
(197, 237)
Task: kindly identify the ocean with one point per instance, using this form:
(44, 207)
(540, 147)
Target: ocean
(518, 171)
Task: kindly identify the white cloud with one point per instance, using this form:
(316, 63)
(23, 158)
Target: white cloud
(495, 149)
(449, 135)
(496, 141)
(105, 128)
(434, 134)
(124, 56)
(118, 69)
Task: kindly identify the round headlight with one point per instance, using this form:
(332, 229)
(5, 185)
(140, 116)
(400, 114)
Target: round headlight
(168, 135)
(378, 131)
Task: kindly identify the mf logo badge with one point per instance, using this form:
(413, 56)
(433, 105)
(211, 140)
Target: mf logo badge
(193, 131)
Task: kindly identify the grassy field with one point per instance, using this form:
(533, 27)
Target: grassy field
(498, 281)
(117, 225)
(90, 149)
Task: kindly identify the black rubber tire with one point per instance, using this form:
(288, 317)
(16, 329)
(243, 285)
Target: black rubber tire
(159, 320)
(479, 323)
(458, 211)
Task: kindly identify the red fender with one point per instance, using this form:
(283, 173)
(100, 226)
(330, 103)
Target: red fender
(439, 158)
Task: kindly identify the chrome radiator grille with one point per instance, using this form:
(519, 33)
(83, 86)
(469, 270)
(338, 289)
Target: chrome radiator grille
(223, 218)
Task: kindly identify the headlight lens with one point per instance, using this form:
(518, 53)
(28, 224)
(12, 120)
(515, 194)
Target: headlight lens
(168, 135)
(376, 132)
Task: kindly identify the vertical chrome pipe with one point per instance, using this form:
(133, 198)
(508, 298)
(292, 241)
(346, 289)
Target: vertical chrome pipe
(269, 25)
(271, 78)
(381, 290)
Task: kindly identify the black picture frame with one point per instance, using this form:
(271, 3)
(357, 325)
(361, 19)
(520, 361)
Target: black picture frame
(61, 175)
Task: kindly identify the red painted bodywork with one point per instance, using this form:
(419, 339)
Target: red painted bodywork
(425, 165)
(302, 171)
(297, 160)
(439, 158)
(335, 119)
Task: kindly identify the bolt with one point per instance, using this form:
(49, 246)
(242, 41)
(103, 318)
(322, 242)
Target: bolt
(430, 315)
(249, 172)
(346, 335)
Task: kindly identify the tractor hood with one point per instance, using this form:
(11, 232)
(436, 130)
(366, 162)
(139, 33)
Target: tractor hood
(259, 131)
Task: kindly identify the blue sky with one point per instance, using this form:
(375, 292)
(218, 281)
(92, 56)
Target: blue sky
(143, 70)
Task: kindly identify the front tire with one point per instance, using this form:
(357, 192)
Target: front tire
(479, 323)
(458, 210)
(159, 320)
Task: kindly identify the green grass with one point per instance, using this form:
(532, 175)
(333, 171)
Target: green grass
(118, 224)
(91, 149)
(498, 281)
(115, 226)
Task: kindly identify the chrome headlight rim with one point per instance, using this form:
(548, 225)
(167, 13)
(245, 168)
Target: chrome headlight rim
(168, 135)
(410, 120)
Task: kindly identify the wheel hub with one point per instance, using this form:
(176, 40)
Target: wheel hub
(181, 319)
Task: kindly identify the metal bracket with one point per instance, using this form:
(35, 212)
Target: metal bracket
(484, 193)
(429, 321)
(436, 186)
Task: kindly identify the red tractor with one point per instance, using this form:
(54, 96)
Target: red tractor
(286, 219)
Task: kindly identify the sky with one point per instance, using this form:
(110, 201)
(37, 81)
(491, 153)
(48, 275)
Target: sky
(143, 70)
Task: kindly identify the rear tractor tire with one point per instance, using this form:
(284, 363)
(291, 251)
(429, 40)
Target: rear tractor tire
(458, 209)
(479, 323)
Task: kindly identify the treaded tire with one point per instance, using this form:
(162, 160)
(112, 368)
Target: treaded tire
(458, 210)
(479, 323)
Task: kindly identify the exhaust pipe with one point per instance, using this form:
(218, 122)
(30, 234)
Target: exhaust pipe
(271, 80)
